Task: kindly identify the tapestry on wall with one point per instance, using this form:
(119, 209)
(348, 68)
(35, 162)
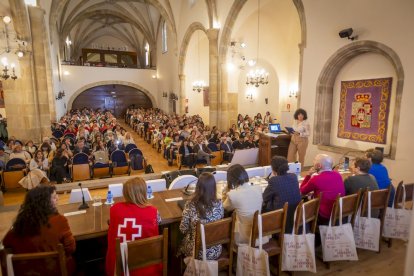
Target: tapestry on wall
(1, 96)
(363, 110)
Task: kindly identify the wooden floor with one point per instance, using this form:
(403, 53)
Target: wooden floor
(390, 261)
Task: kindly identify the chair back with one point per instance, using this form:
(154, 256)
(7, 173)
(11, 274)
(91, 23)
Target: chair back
(137, 159)
(409, 194)
(267, 170)
(212, 146)
(157, 185)
(57, 134)
(76, 195)
(311, 214)
(42, 263)
(257, 171)
(116, 189)
(155, 248)
(220, 176)
(379, 201)
(15, 164)
(216, 233)
(80, 158)
(182, 181)
(350, 205)
(130, 147)
(2, 143)
(272, 223)
(119, 157)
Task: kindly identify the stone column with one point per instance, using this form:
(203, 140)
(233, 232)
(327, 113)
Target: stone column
(212, 35)
(181, 96)
(301, 48)
(224, 105)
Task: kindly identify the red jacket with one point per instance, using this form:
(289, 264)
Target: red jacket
(130, 222)
(330, 184)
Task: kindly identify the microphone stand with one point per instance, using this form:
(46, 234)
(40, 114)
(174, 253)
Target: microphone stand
(185, 191)
(84, 205)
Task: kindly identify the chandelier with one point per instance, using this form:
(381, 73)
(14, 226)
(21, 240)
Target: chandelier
(199, 85)
(258, 76)
(9, 70)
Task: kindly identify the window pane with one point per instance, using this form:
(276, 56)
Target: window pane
(111, 58)
(93, 57)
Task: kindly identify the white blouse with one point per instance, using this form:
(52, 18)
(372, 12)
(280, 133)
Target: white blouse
(303, 128)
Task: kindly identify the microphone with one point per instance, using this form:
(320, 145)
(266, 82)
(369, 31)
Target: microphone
(84, 205)
(186, 191)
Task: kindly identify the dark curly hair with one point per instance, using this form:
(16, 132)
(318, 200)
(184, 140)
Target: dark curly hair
(35, 211)
(300, 111)
(279, 165)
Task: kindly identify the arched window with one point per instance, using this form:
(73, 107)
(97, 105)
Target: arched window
(164, 37)
(31, 2)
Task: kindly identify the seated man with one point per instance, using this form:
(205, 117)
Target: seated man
(322, 179)
(202, 151)
(239, 144)
(80, 147)
(227, 149)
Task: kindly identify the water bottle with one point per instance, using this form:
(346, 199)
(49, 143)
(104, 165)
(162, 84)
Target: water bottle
(149, 192)
(109, 197)
(297, 172)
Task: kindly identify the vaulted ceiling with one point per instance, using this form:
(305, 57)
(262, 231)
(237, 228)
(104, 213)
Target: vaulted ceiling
(134, 22)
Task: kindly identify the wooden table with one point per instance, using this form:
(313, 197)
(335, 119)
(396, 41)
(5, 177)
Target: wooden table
(94, 222)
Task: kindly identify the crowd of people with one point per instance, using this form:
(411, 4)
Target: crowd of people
(39, 226)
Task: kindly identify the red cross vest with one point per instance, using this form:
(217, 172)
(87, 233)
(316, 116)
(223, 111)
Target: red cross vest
(130, 222)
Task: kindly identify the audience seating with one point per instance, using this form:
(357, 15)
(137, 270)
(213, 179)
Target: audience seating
(379, 201)
(182, 181)
(130, 147)
(116, 189)
(157, 185)
(155, 248)
(120, 164)
(273, 222)
(137, 160)
(257, 171)
(409, 193)
(14, 171)
(219, 232)
(44, 263)
(76, 195)
(80, 169)
(350, 205)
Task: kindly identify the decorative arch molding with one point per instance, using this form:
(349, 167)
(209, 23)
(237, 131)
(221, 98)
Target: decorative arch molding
(185, 42)
(99, 83)
(326, 81)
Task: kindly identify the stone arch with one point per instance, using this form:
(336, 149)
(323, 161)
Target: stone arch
(185, 42)
(326, 80)
(99, 83)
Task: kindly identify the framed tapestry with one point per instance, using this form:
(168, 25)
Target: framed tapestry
(363, 110)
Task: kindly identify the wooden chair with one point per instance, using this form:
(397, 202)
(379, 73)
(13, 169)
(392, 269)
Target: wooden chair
(272, 223)
(219, 232)
(80, 168)
(379, 201)
(311, 214)
(350, 204)
(15, 170)
(144, 252)
(42, 263)
(409, 193)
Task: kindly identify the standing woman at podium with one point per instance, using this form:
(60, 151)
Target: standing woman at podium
(299, 140)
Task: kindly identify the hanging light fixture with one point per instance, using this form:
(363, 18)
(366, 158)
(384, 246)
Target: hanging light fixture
(258, 76)
(199, 85)
(7, 58)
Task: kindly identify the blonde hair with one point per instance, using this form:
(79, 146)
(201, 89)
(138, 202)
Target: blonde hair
(135, 191)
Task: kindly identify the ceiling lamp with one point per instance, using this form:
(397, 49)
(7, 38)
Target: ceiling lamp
(8, 69)
(258, 76)
(199, 85)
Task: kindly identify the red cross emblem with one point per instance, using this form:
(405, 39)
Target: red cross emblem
(129, 230)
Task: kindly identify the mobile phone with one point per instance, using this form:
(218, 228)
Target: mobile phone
(346, 163)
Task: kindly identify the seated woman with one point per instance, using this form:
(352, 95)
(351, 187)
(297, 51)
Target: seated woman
(39, 162)
(30, 147)
(380, 172)
(128, 139)
(39, 227)
(59, 170)
(101, 154)
(283, 187)
(136, 209)
(18, 152)
(361, 178)
(243, 198)
(204, 207)
(48, 153)
(187, 156)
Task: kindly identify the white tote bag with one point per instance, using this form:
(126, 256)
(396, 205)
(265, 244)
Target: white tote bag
(299, 250)
(367, 230)
(253, 261)
(338, 242)
(201, 268)
(397, 221)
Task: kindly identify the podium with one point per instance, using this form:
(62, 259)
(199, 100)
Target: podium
(270, 146)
